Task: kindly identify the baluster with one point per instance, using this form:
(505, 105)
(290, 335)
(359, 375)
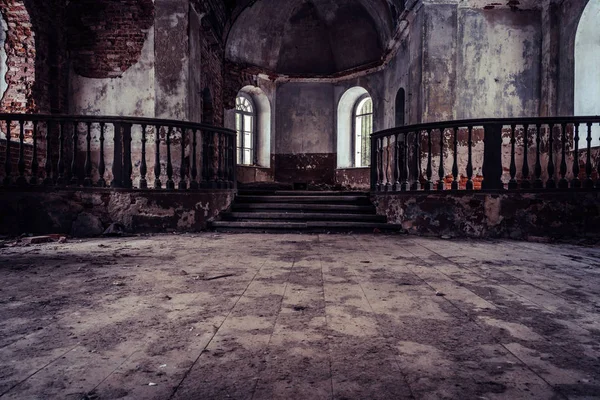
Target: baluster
(157, 182)
(405, 186)
(73, 171)
(7, 162)
(211, 161)
(455, 162)
(182, 185)
(470, 185)
(551, 183)
(225, 151)
(48, 163)
(21, 162)
(575, 182)
(61, 154)
(194, 168)
(512, 184)
(88, 156)
(386, 163)
(232, 174)
(396, 163)
(525, 184)
(117, 166)
(127, 162)
(441, 172)
(219, 158)
(598, 176)
(380, 164)
(429, 170)
(588, 163)
(170, 182)
(538, 183)
(417, 176)
(143, 165)
(21, 181)
(376, 149)
(563, 183)
(101, 164)
(205, 151)
(34, 160)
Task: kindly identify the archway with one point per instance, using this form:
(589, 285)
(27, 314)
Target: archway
(587, 74)
(345, 114)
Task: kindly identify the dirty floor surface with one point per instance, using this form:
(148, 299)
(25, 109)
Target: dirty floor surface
(256, 316)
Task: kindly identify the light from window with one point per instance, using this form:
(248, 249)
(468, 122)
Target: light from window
(363, 127)
(244, 125)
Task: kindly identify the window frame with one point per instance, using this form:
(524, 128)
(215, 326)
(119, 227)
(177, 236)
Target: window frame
(355, 116)
(254, 133)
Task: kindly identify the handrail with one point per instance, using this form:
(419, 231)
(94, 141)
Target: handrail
(485, 121)
(80, 150)
(500, 153)
(115, 119)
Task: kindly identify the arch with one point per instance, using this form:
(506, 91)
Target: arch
(587, 74)
(262, 104)
(400, 107)
(362, 128)
(345, 117)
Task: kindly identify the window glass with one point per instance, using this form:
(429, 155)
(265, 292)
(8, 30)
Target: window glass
(246, 129)
(363, 127)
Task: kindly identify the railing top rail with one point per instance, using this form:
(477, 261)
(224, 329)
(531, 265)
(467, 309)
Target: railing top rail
(113, 119)
(486, 121)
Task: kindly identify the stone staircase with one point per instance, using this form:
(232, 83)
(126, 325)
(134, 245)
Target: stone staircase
(310, 211)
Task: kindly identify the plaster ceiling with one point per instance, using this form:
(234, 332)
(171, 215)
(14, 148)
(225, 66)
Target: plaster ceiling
(311, 37)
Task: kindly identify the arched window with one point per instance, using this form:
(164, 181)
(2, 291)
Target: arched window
(245, 125)
(363, 127)
(587, 74)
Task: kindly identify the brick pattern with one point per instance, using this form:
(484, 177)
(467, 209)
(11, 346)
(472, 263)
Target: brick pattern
(212, 55)
(21, 54)
(36, 57)
(106, 36)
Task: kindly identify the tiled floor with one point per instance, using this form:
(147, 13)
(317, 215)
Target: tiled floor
(255, 316)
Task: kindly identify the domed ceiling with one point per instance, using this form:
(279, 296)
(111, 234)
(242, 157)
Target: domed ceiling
(310, 37)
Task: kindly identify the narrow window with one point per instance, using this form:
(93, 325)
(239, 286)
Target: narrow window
(245, 125)
(363, 127)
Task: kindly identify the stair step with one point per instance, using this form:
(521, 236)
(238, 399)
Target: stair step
(303, 199)
(347, 208)
(309, 225)
(312, 193)
(303, 216)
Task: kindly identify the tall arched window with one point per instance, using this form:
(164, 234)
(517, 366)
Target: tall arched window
(587, 74)
(245, 125)
(363, 127)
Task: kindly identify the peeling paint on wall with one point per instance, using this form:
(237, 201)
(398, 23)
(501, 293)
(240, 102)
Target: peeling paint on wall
(132, 94)
(3, 57)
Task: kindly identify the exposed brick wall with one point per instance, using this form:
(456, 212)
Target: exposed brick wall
(236, 77)
(106, 36)
(36, 56)
(212, 78)
(21, 53)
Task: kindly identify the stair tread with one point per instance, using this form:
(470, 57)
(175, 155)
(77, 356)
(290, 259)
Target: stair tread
(312, 193)
(307, 224)
(303, 215)
(280, 199)
(301, 206)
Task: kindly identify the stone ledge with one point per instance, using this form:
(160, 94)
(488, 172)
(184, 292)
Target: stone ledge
(84, 212)
(501, 214)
